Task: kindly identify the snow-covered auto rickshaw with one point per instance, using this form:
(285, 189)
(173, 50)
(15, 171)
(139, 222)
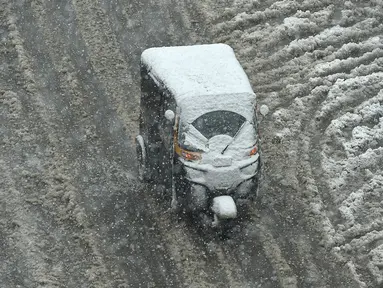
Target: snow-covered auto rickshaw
(198, 128)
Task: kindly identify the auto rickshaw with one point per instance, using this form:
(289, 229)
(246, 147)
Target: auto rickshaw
(199, 128)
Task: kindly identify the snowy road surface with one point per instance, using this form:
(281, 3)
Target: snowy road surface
(72, 213)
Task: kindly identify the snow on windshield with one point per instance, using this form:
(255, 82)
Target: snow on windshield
(219, 122)
(196, 135)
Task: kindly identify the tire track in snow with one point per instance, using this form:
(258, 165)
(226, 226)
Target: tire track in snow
(124, 273)
(60, 199)
(234, 278)
(191, 260)
(23, 256)
(285, 275)
(80, 125)
(24, 239)
(105, 56)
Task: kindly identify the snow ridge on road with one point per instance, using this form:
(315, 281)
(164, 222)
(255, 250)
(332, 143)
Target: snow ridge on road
(318, 65)
(45, 193)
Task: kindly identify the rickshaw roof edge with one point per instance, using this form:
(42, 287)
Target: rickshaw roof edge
(189, 71)
(241, 103)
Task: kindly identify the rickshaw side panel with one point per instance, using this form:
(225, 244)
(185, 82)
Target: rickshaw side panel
(155, 100)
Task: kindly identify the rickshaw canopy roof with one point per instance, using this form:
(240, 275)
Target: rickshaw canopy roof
(202, 75)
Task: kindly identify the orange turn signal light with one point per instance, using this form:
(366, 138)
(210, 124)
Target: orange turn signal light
(254, 151)
(190, 156)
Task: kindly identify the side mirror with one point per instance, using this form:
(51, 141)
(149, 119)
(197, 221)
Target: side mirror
(169, 115)
(264, 110)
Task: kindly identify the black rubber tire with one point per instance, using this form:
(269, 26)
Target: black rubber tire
(142, 168)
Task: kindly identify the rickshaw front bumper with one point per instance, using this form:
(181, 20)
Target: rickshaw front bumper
(229, 178)
(220, 188)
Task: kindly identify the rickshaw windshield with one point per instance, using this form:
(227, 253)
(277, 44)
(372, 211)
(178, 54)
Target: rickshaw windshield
(218, 123)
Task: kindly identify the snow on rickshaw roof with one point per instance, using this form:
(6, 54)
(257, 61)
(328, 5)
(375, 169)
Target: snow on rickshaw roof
(198, 70)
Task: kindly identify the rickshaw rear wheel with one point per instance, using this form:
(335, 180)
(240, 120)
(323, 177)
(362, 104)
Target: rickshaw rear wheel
(143, 174)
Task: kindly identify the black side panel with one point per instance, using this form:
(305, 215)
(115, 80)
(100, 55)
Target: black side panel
(156, 130)
(150, 104)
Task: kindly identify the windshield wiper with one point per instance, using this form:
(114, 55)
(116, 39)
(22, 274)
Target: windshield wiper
(233, 139)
